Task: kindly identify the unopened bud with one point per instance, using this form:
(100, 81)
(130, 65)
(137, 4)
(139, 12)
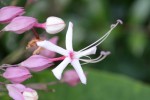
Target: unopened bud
(54, 25)
(20, 24)
(16, 74)
(30, 94)
(10, 12)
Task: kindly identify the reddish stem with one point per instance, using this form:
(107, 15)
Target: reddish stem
(58, 59)
(35, 34)
(40, 25)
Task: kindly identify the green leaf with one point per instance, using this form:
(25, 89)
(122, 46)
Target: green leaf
(100, 86)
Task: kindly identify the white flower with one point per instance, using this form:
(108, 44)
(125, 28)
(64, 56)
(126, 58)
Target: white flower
(72, 56)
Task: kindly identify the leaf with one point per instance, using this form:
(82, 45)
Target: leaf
(100, 86)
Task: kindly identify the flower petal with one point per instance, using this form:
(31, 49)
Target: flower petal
(14, 92)
(59, 69)
(86, 52)
(76, 64)
(50, 46)
(48, 53)
(69, 37)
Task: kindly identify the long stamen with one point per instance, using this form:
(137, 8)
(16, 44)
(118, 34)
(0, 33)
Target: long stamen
(102, 56)
(99, 41)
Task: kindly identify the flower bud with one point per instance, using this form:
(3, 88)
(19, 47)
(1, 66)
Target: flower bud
(20, 92)
(16, 74)
(30, 94)
(10, 12)
(54, 25)
(71, 77)
(36, 63)
(20, 24)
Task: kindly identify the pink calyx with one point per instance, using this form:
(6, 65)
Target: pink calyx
(40, 25)
(57, 59)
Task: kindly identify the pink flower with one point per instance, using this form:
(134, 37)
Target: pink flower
(20, 92)
(16, 74)
(71, 77)
(20, 24)
(10, 12)
(37, 63)
(48, 53)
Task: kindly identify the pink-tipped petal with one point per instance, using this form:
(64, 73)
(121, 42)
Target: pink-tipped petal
(50, 46)
(69, 36)
(59, 69)
(75, 63)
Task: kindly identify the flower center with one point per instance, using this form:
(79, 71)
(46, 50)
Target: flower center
(71, 54)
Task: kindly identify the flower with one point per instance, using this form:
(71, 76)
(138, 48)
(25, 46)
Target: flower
(16, 74)
(10, 12)
(73, 57)
(52, 25)
(20, 24)
(71, 77)
(36, 63)
(20, 92)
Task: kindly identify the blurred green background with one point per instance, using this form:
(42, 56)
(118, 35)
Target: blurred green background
(123, 75)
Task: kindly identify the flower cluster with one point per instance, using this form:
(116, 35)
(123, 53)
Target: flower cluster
(44, 52)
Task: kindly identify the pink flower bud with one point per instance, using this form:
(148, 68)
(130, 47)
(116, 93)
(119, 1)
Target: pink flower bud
(30, 94)
(20, 92)
(20, 24)
(9, 12)
(54, 25)
(16, 74)
(48, 53)
(36, 63)
(71, 77)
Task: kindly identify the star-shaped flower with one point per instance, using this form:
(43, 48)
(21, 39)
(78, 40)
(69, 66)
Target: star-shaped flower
(73, 57)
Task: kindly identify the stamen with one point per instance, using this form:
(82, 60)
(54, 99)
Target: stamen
(99, 41)
(102, 56)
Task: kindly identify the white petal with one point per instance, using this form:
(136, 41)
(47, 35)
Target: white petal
(59, 69)
(75, 63)
(86, 52)
(69, 37)
(52, 47)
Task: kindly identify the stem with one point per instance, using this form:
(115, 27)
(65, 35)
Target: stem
(1, 83)
(57, 59)
(53, 83)
(40, 25)
(35, 34)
